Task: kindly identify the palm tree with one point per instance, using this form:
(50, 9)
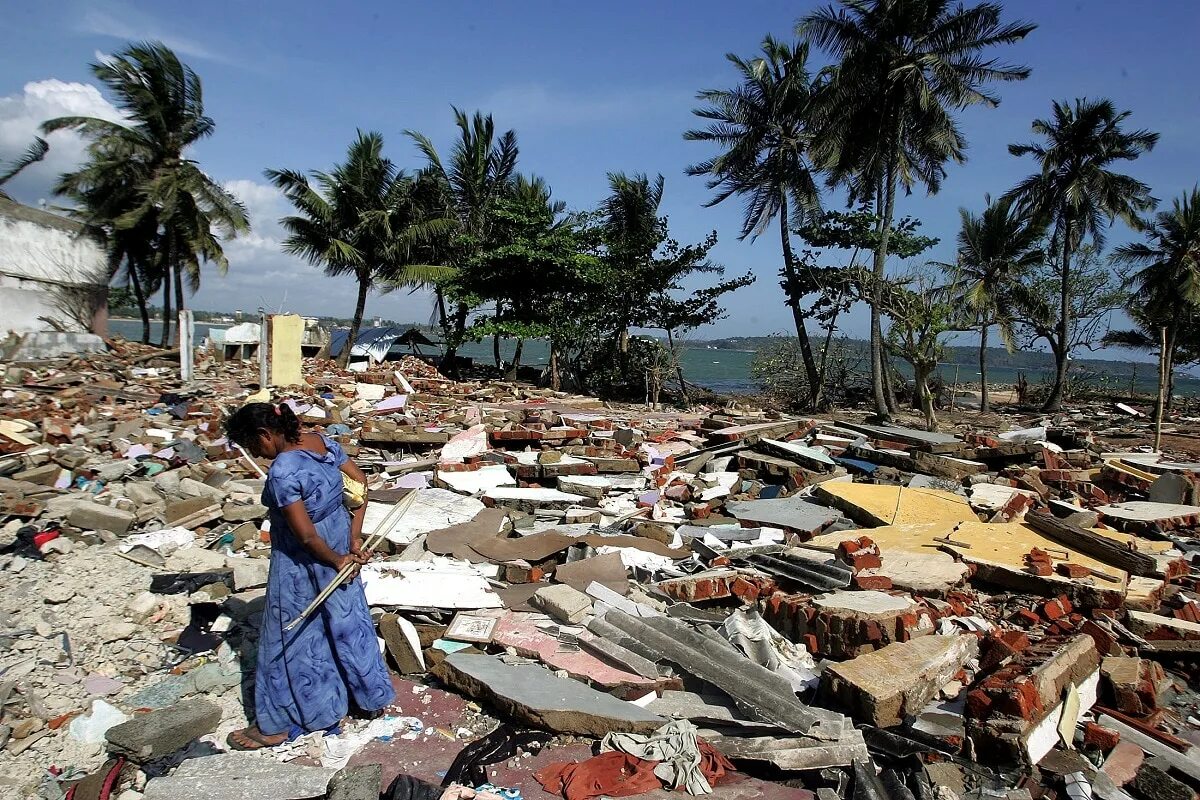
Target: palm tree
(1078, 194)
(479, 173)
(355, 221)
(761, 125)
(33, 154)
(884, 116)
(1167, 286)
(163, 105)
(631, 229)
(995, 249)
(103, 191)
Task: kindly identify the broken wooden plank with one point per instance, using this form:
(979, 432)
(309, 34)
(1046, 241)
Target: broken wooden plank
(1092, 544)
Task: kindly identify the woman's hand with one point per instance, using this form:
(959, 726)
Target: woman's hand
(354, 560)
(356, 548)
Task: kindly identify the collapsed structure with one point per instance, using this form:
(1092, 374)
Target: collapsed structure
(834, 608)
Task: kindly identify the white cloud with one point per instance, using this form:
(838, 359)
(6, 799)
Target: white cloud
(527, 105)
(118, 21)
(22, 114)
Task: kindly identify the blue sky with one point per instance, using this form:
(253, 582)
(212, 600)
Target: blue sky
(588, 87)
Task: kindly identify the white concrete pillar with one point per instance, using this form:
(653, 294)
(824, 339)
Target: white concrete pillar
(187, 345)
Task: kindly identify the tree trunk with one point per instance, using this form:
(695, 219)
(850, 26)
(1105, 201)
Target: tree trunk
(496, 338)
(815, 377)
(555, 381)
(921, 377)
(516, 362)
(360, 306)
(884, 229)
(678, 369)
(165, 338)
(450, 360)
(1162, 388)
(1172, 344)
(1063, 352)
(984, 406)
(178, 277)
(140, 296)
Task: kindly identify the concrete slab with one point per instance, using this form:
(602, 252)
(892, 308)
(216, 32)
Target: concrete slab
(240, 776)
(531, 500)
(433, 510)
(871, 504)
(789, 513)
(1141, 515)
(476, 481)
(884, 687)
(536, 696)
(896, 433)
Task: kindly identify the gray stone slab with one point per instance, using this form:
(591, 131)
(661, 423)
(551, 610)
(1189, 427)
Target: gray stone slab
(790, 513)
(240, 776)
(900, 434)
(795, 753)
(533, 694)
(1145, 511)
(364, 782)
(162, 732)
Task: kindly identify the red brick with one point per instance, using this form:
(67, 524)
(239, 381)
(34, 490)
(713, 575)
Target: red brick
(1099, 737)
(1017, 640)
(1027, 617)
(877, 582)
(1052, 609)
(979, 704)
(861, 560)
(1073, 570)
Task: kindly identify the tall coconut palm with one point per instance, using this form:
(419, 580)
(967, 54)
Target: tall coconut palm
(995, 249)
(355, 221)
(762, 127)
(1167, 287)
(163, 105)
(885, 115)
(479, 173)
(1078, 193)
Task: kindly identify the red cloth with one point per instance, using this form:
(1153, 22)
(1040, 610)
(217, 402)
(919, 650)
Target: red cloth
(618, 774)
(615, 774)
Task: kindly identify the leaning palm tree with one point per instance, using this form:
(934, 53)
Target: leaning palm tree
(163, 105)
(1078, 194)
(1167, 296)
(354, 221)
(762, 127)
(33, 154)
(884, 117)
(995, 249)
(478, 174)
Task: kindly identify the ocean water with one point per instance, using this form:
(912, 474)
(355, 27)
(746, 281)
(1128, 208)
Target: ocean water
(728, 371)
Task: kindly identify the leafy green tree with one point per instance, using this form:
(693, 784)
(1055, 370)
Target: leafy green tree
(762, 128)
(163, 105)
(843, 282)
(884, 116)
(478, 175)
(1076, 191)
(1166, 294)
(922, 312)
(1095, 291)
(356, 220)
(996, 250)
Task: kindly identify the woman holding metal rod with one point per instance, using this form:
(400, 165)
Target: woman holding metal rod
(308, 677)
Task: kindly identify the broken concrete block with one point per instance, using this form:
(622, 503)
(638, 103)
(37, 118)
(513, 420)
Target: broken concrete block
(1132, 685)
(243, 512)
(536, 696)
(593, 486)
(95, 517)
(1153, 781)
(531, 500)
(249, 573)
(404, 649)
(142, 493)
(160, 733)
(788, 513)
(363, 782)
(885, 686)
(564, 603)
(240, 776)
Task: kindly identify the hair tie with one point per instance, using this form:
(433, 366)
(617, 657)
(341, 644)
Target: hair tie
(277, 411)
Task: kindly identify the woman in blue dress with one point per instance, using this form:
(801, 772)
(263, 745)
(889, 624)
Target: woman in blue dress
(308, 677)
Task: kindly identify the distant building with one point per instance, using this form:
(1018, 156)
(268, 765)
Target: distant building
(50, 269)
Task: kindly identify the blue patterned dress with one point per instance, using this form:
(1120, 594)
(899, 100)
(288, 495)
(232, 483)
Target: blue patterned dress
(307, 676)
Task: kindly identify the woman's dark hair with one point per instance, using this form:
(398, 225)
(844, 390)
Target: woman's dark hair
(244, 424)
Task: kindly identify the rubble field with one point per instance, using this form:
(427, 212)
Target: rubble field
(595, 599)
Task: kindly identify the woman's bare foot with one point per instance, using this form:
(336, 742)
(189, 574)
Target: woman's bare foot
(252, 738)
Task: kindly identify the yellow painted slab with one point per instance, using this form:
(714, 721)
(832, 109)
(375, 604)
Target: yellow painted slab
(871, 504)
(286, 364)
(1005, 544)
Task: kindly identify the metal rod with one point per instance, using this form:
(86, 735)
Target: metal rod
(382, 529)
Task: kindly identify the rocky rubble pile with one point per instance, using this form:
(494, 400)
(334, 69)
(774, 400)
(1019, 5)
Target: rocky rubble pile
(860, 609)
